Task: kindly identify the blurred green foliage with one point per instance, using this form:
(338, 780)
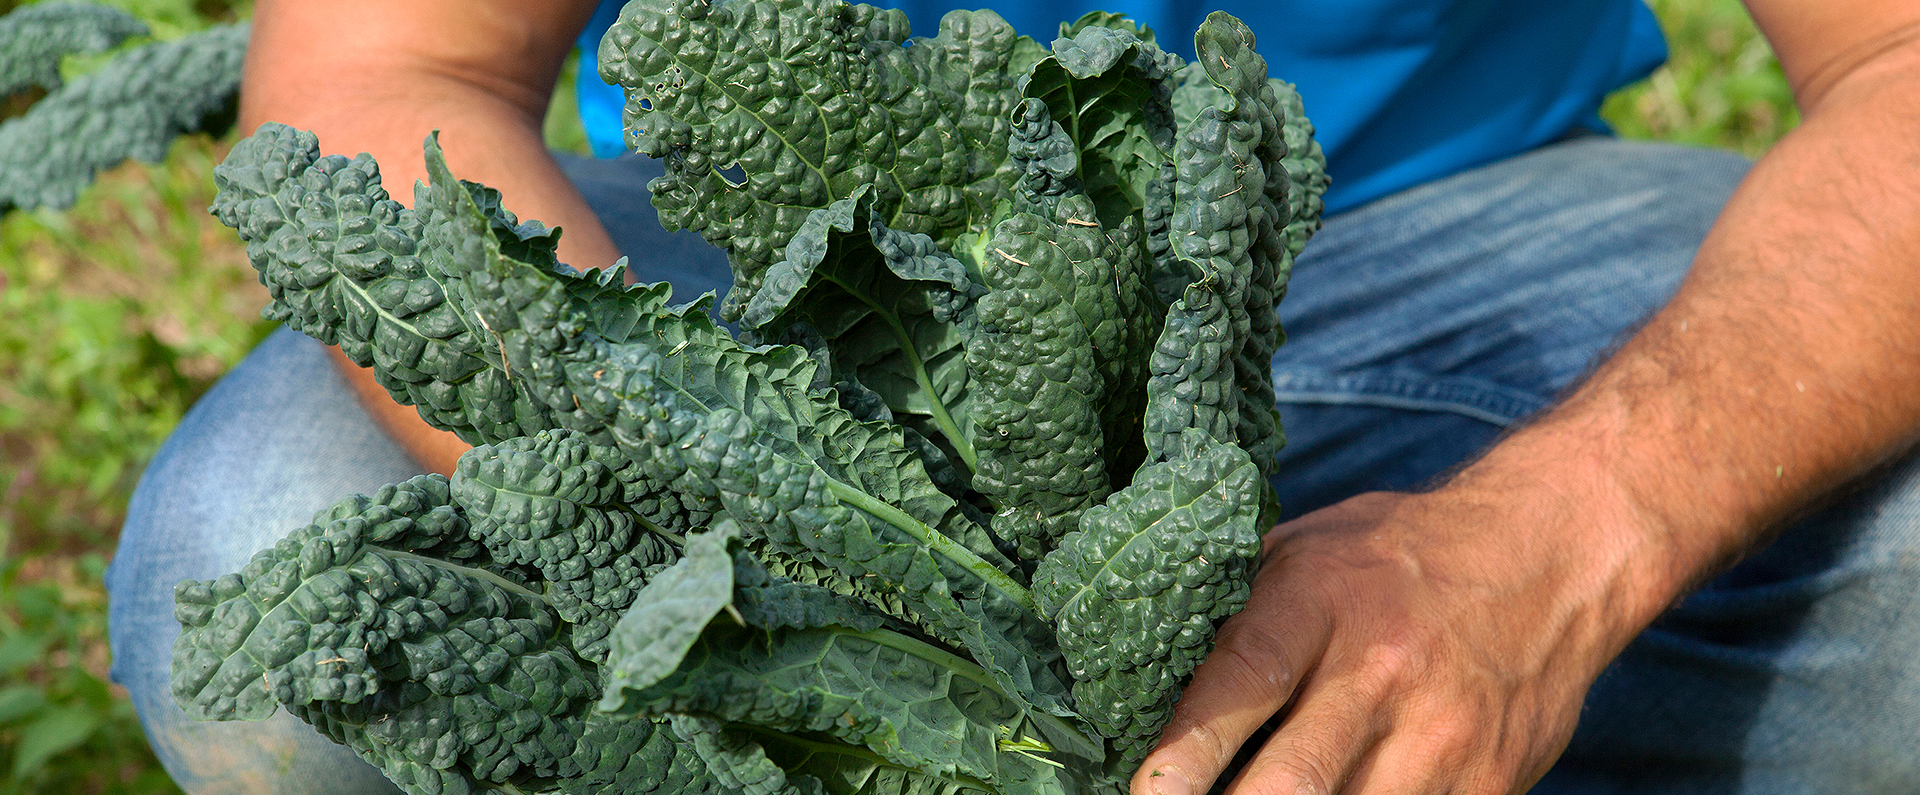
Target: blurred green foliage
(117, 314)
(1721, 86)
(114, 317)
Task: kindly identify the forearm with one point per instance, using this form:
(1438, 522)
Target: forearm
(1445, 641)
(379, 87)
(1787, 364)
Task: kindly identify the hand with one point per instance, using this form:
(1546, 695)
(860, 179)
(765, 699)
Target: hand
(1426, 643)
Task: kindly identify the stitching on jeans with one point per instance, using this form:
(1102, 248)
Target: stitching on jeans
(1475, 400)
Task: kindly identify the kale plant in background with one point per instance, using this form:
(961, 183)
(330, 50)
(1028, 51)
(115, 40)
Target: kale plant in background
(133, 107)
(958, 511)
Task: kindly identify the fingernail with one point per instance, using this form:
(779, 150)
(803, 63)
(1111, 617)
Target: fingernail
(1168, 780)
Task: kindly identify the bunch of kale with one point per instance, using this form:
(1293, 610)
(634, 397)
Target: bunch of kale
(967, 523)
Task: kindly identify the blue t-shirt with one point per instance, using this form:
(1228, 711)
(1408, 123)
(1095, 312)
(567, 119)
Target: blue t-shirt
(1400, 91)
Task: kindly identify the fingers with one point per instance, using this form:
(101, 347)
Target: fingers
(1332, 729)
(1257, 662)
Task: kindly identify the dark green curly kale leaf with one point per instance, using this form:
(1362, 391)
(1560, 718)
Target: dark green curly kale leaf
(653, 387)
(1191, 386)
(738, 761)
(956, 596)
(1111, 90)
(386, 628)
(892, 310)
(763, 760)
(342, 262)
(492, 346)
(1247, 195)
(1135, 593)
(1060, 349)
(551, 504)
(34, 38)
(800, 665)
(132, 107)
(849, 770)
(765, 110)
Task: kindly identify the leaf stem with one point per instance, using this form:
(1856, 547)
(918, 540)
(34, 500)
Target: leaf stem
(939, 544)
(483, 574)
(963, 667)
(941, 416)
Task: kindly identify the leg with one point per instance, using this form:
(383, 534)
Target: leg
(277, 439)
(1797, 671)
(1426, 323)
(1423, 324)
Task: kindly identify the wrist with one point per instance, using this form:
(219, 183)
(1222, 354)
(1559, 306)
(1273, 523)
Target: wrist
(1565, 494)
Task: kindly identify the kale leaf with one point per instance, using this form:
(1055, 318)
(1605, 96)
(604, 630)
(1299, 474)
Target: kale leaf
(34, 38)
(132, 107)
(386, 627)
(766, 110)
(967, 525)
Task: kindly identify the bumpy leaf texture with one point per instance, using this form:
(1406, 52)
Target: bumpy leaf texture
(1136, 592)
(1191, 386)
(1247, 194)
(892, 310)
(1036, 416)
(682, 401)
(766, 110)
(796, 662)
(34, 38)
(1059, 355)
(740, 763)
(956, 597)
(972, 242)
(550, 503)
(132, 107)
(1110, 90)
(342, 263)
(460, 312)
(386, 626)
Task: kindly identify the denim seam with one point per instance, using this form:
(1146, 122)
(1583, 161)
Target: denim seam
(1483, 402)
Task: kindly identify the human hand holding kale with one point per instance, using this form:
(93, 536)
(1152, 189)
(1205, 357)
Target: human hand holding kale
(1443, 642)
(1424, 642)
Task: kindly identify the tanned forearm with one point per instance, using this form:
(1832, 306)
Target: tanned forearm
(1787, 364)
(378, 77)
(1444, 641)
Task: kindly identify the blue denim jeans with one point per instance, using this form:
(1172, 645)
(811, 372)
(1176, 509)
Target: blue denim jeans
(1421, 326)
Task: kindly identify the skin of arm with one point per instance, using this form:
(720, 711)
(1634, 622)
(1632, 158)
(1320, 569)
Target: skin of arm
(1444, 641)
(377, 77)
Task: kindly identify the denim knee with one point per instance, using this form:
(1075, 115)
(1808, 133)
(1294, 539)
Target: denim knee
(276, 440)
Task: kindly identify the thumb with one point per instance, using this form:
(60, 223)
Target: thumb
(1253, 671)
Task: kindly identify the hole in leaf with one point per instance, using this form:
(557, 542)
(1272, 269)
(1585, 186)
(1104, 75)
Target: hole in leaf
(735, 176)
(646, 104)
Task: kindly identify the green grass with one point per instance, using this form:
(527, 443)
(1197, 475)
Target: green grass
(117, 314)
